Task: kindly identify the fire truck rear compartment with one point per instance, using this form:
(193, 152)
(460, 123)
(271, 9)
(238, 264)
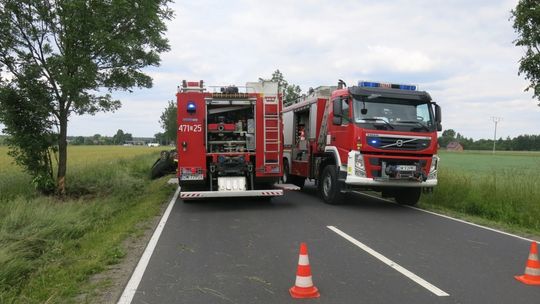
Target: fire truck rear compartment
(231, 144)
(231, 128)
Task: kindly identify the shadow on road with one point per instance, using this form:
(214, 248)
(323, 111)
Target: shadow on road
(356, 200)
(235, 204)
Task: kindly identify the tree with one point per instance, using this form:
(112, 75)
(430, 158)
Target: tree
(168, 121)
(450, 133)
(75, 49)
(119, 138)
(447, 136)
(26, 121)
(291, 92)
(79, 140)
(128, 137)
(160, 138)
(526, 18)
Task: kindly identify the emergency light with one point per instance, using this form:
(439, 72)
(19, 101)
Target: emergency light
(371, 84)
(191, 108)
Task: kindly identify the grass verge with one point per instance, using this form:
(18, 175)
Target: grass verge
(501, 195)
(50, 248)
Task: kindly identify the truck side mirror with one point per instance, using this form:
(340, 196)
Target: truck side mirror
(338, 112)
(438, 117)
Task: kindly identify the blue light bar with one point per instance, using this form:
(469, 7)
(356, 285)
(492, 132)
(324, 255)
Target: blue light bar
(191, 108)
(407, 87)
(371, 84)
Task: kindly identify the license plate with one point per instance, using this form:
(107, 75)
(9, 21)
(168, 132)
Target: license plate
(192, 177)
(406, 168)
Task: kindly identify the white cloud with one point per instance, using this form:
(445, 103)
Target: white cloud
(460, 51)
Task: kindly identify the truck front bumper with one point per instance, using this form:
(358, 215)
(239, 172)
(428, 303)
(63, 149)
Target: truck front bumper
(370, 182)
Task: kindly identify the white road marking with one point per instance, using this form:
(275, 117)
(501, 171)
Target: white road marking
(131, 287)
(452, 218)
(387, 261)
(473, 224)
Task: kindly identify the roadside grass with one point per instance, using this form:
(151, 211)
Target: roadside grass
(12, 180)
(503, 189)
(50, 248)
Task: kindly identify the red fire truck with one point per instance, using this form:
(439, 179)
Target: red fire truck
(230, 141)
(374, 136)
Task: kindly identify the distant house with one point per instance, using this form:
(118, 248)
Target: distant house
(454, 146)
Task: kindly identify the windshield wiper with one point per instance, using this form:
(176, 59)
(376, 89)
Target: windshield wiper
(415, 122)
(378, 119)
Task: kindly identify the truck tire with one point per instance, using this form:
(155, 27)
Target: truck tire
(285, 179)
(408, 196)
(329, 187)
(288, 178)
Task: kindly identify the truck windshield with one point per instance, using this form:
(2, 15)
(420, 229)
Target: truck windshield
(390, 114)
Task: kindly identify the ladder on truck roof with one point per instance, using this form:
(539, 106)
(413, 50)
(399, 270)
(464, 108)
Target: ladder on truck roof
(271, 131)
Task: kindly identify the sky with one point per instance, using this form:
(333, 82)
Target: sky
(460, 51)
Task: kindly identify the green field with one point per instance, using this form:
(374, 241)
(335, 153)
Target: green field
(503, 188)
(49, 248)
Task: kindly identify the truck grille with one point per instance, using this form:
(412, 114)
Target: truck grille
(399, 143)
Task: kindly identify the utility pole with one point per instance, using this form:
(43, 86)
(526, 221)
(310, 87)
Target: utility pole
(495, 120)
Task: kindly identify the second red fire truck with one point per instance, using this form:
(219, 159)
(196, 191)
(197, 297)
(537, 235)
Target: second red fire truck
(230, 141)
(374, 136)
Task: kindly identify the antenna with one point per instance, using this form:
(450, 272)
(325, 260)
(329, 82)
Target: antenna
(496, 120)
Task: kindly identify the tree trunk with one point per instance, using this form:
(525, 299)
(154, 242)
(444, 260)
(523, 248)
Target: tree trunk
(62, 156)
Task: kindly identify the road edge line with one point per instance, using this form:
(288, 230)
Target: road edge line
(473, 224)
(136, 276)
(452, 218)
(432, 288)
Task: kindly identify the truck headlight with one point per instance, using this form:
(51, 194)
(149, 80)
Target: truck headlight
(359, 168)
(433, 167)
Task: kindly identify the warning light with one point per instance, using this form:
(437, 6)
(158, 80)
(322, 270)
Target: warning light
(371, 84)
(191, 108)
(374, 141)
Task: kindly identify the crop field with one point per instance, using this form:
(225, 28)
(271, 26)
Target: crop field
(503, 188)
(50, 247)
(81, 156)
(13, 181)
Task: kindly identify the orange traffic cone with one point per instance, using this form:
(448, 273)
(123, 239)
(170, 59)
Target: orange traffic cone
(303, 287)
(532, 269)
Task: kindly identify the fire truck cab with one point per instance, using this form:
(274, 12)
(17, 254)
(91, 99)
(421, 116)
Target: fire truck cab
(374, 136)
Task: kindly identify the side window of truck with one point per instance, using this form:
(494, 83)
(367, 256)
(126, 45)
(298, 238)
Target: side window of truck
(341, 111)
(345, 107)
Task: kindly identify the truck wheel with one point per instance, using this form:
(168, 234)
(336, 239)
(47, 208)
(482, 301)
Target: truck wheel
(285, 179)
(164, 155)
(292, 179)
(408, 196)
(329, 187)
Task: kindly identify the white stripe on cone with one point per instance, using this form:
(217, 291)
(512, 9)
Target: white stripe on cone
(532, 271)
(304, 282)
(303, 260)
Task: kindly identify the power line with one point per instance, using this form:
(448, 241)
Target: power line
(496, 120)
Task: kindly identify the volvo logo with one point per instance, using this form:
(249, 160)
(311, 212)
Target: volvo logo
(399, 142)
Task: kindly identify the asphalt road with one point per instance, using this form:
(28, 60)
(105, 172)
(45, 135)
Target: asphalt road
(246, 251)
